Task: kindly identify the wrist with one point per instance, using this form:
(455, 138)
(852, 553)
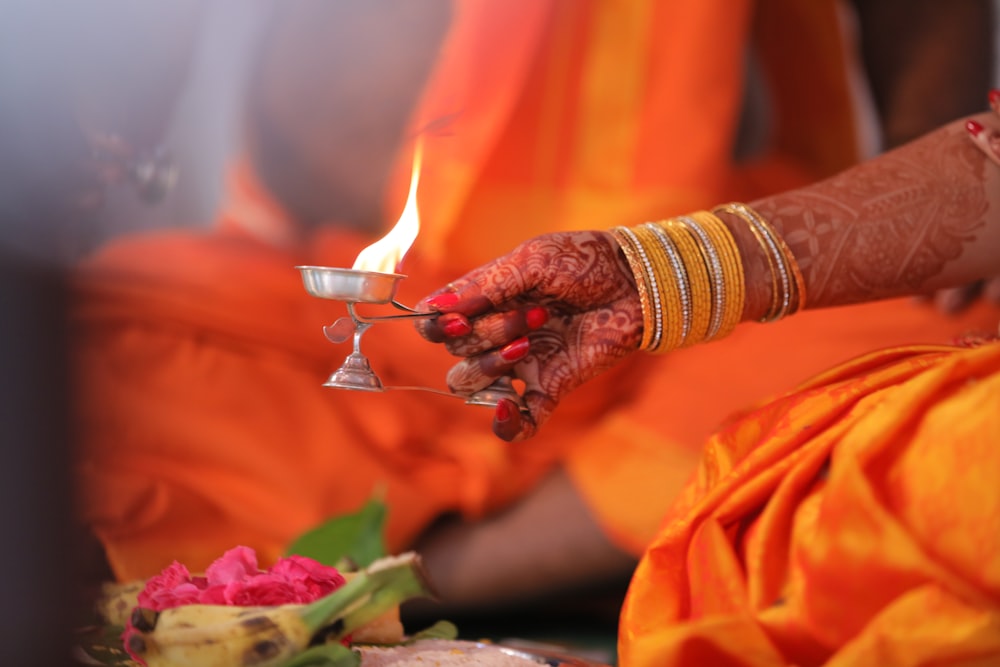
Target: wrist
(756, 270)
(787, 285)
(689, 279)
(699, 275)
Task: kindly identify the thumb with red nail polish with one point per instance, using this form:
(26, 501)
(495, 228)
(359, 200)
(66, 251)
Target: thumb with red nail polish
(506, 420)
(986, 139)
(454, 325)
(536, 317)
(442, 301)
(994, 98)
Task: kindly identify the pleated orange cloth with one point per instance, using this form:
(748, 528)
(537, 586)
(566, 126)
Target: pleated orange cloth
(853, 521)
(200, 356)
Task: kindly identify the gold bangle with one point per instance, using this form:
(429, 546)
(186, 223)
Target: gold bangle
(698, 278)
(690, 278)
(713, 263)
(643, 277)
(722, 257)
(733, 270)
(797, 295)
(654, 270)
(793, 266)
(781, 286)
(674, 290)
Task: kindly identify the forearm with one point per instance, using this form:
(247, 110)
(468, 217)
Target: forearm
(918, 218)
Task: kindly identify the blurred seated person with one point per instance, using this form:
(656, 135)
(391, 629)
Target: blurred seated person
(203, 419)
(851, 520)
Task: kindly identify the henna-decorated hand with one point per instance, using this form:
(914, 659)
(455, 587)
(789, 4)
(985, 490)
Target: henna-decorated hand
(987, 139)
(956, 299)
(554, 313)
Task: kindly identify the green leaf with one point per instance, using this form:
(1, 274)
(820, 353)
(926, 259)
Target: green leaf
(326, 655)
(357, 537)
(440, 630)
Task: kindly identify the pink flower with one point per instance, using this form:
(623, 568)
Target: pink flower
(236, 564)
(235, 579)
(265, 589)
(160, 590)
(314, 579)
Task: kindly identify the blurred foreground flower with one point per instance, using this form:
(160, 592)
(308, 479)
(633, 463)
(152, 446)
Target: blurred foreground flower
(235, 579)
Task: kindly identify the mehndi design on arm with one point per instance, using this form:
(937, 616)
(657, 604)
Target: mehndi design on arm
(887, 224)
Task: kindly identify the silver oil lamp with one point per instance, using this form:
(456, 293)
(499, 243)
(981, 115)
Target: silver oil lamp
(356, 286)
(361, 285)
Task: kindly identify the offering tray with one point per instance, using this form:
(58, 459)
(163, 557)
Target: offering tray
(465, 652)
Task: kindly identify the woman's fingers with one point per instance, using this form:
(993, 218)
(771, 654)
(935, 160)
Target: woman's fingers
(513, 425)
(991, 290)
(458, 304)
(475, 372)
(986, 139)
(572, 294)
(464, 336)
(490, 331)
(509, 423)
(954, 300)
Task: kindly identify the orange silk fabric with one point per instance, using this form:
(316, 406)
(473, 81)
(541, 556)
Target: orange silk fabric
(854, 521)
(202, 420)
(548, 115)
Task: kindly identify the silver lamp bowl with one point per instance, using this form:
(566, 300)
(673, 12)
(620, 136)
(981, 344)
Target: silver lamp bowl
(350, 285)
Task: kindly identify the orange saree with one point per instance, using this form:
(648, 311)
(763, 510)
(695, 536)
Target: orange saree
(854, 521)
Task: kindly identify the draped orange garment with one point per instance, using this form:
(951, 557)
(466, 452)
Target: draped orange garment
(202, 420)
(854, 521)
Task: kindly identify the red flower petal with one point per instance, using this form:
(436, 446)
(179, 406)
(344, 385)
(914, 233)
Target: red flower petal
(235, 565)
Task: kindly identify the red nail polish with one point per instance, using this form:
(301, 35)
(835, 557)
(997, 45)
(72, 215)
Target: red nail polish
(994, 98)
(502, 411)
(974, 127)
(536, 317)
(445, 300)
(515, 349)
(457, 326)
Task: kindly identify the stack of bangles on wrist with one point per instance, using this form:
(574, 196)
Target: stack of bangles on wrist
(690, 276)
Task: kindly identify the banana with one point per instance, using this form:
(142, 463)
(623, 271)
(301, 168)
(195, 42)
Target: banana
(246, 636)
(193, 616)
(116, 601)
(212, 635)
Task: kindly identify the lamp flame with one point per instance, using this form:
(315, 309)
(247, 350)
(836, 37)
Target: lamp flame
(384, 255)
